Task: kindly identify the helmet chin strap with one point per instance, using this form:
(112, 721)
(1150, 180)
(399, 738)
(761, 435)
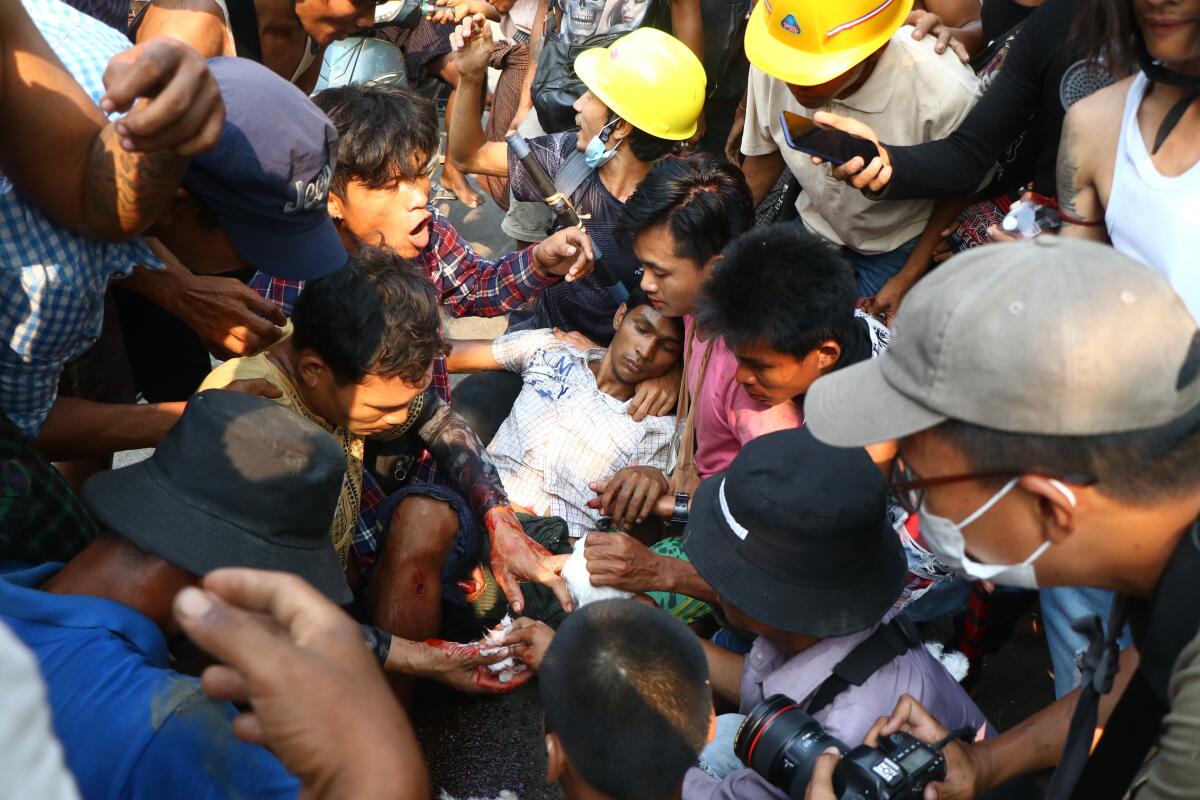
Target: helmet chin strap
(1157, 73)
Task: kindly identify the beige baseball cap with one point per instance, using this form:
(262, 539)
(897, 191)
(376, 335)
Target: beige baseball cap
(1053, 336)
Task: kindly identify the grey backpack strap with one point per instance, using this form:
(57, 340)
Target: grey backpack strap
(572, 174)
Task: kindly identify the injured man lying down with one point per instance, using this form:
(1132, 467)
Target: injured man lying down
(571, 425)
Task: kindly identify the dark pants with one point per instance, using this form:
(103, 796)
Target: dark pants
(485, 400)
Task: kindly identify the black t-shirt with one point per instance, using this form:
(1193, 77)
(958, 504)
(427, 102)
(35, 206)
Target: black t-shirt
(998, 17)
(585, 305)
(1017, 122)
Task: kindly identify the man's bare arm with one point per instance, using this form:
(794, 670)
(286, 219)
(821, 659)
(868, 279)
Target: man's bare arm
(64, 156)
(1079, 203)
(468, 147)
(724, 671)
(761, 174)
(471, 355)
(79, 428)
(688, 25)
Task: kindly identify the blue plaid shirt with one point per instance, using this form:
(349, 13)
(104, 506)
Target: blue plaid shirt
(52, 281)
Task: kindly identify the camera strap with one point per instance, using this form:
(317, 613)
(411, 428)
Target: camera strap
(888, 642)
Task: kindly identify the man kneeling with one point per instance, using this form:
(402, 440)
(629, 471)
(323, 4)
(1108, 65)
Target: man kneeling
(358, 363)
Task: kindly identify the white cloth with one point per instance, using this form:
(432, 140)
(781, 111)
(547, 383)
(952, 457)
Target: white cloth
(563, 432)
(913, 96)
(31, 758)
(1148, 214)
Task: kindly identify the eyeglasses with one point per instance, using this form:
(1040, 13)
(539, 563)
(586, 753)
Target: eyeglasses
(909, 489)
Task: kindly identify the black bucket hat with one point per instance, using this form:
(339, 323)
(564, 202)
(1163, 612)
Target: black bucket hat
(239, 481)
(796, 535)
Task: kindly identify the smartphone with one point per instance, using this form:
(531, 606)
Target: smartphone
(836, 147)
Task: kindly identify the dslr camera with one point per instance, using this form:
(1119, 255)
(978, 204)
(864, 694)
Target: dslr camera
(781, 742)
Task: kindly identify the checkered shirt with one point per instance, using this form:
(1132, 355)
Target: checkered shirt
(468, 284)
(52, 281)
(564, 433)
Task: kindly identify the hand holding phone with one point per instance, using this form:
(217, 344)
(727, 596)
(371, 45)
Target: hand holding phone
(836, 147)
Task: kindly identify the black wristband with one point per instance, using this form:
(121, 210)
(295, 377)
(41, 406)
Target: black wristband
(679, 515)
(379, 641)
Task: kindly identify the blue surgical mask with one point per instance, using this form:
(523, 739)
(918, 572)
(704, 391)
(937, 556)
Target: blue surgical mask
(595, 155)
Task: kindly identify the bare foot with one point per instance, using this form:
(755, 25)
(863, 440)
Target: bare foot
(458, 183)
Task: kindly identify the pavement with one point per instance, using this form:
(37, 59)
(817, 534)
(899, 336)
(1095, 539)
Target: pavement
(492, 747)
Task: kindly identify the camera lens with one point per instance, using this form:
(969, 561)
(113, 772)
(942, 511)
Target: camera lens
(781, 742)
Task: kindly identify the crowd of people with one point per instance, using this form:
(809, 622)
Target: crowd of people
(803, 355)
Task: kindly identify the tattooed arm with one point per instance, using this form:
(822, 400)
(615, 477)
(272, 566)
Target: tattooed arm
(61, 152)
(1081, 163)
(514, 556)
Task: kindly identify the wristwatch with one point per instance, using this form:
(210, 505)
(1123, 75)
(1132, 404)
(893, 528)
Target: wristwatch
(679, 515)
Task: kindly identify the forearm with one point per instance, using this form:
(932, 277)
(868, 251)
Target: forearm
(78, 428)
(163, 287)
(62, 154)
(687, 25)
(471, 355)
(724, 671)
(681, 577)
(459, 453)
(1037, 743)
(918, 261)
(761, 174)
(466, 141)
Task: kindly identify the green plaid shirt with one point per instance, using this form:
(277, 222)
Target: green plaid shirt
(41, 517)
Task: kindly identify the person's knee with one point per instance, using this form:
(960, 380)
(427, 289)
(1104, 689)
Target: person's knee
(422, 528)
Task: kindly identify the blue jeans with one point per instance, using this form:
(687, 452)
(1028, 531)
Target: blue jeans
(1060, 606)
(717, 758)
(874, 271)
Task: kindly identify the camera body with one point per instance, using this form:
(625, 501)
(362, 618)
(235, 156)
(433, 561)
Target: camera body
(781, 742)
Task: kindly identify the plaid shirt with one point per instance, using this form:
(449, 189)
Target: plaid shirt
(467, 284)
(52, 281)
(563, 432)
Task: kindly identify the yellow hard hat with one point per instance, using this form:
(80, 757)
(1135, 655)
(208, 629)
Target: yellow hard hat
(648, 78)
(810, 42)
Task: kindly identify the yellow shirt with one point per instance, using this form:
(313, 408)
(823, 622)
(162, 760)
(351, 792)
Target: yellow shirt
(345, 518)
(913, 96)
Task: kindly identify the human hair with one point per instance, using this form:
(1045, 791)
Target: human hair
(638, 298)
(1107, 32)
(625, 688)
(1137, 467)
(378, 315)
(386, 134)
(703, 202)
(782, 287)
(648, 147)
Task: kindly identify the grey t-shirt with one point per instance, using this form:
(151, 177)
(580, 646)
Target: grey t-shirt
(1175, 772)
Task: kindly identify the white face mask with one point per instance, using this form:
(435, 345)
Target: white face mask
(945, 538)
(595, 155)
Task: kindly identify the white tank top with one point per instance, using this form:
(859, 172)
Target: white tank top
(1152, 217)
(306, 60)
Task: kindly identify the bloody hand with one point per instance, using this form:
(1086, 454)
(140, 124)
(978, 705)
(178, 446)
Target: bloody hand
(516, 557)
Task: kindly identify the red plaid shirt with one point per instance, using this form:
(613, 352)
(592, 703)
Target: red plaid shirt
(468, 285)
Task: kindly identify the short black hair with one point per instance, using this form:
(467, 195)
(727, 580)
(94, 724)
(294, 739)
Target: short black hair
(1137, 467)
(782, 287)
(625, 688)
(382, 129)
(378, 315)
(638, 298)
(704, 203)
(648, 147)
